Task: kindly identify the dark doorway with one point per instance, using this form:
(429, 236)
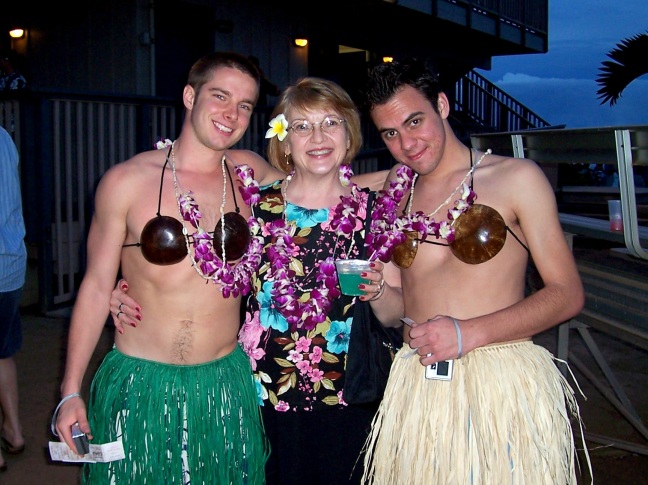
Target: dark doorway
(183, 33)
(352, 72)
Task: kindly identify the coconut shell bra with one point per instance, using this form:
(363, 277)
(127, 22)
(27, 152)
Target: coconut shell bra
(479, 235)
(162, 241)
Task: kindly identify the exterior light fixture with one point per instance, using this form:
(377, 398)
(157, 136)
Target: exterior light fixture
(388, 59)
(301, 41)
(17, 33)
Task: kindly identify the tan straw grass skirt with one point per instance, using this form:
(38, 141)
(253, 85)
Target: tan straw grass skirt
(504, 418)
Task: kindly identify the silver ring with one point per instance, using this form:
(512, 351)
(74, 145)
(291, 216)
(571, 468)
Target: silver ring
(381, 288)
(119, 307)
(119, 313)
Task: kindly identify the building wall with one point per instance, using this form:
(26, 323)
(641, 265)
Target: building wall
(89, 48)
(113, 46)
(145, 47)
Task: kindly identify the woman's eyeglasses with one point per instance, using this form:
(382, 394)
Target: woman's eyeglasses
(480, 233)
(329, 125)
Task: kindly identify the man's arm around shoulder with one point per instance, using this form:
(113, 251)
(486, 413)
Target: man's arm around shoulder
(264, 173)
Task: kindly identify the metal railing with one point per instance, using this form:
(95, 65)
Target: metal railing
(66, 143)
(530, 15)
(488, 109)
(88, 137)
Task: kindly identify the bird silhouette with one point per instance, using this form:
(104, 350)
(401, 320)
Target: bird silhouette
(630, 58)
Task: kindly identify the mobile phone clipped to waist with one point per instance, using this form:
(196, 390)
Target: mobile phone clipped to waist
(441, 370)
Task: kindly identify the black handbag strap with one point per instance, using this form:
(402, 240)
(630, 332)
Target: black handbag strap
(367, 224)
(393, 336)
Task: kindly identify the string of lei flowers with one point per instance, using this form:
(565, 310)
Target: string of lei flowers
(388, 230)
(234, 280)
(313, 306)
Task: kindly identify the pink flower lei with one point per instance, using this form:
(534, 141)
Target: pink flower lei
(388, 230)
(234, 280)
(312, 307)
(385, 235)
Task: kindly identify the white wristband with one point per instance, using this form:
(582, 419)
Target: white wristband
(458, 330)
(55, 415)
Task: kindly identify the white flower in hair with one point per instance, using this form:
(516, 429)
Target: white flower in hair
(278, 127)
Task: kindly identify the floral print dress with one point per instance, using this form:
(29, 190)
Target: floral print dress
(296, 369)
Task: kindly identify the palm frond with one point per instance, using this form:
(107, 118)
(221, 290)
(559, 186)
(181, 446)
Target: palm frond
(630, 58)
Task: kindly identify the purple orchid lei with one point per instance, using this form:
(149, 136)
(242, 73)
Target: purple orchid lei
(385, 235)
(426, 225)
(388, 230)
(312, 307)
(234, 280)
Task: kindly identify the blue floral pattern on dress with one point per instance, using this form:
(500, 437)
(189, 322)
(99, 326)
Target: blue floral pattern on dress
(306, 217)
(270, 318)
(301, 370)
(338, 336)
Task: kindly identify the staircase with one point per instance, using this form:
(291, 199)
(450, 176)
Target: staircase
(481, 107)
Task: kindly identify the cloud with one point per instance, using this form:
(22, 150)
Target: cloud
(560, 85)
(574, 102)
(521, 78)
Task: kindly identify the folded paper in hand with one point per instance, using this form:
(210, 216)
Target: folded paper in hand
(59, 451)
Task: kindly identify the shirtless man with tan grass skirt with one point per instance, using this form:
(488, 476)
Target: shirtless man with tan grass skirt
(471, 221)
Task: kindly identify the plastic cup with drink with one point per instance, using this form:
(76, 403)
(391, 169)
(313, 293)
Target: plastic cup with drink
(616, 217)
(349, 271)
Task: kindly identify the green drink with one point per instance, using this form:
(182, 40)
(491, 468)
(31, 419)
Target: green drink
(349, 271)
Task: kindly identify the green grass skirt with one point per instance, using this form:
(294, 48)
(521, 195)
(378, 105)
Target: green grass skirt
(196, 424)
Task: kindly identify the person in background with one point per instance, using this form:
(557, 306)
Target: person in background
(471, 221)
(13, 267)
(178, 393)
(296, 322)
(11, 78)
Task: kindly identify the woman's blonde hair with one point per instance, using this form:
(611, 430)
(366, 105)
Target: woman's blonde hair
(309, 94)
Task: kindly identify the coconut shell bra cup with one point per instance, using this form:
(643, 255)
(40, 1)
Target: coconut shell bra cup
(480, 234)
